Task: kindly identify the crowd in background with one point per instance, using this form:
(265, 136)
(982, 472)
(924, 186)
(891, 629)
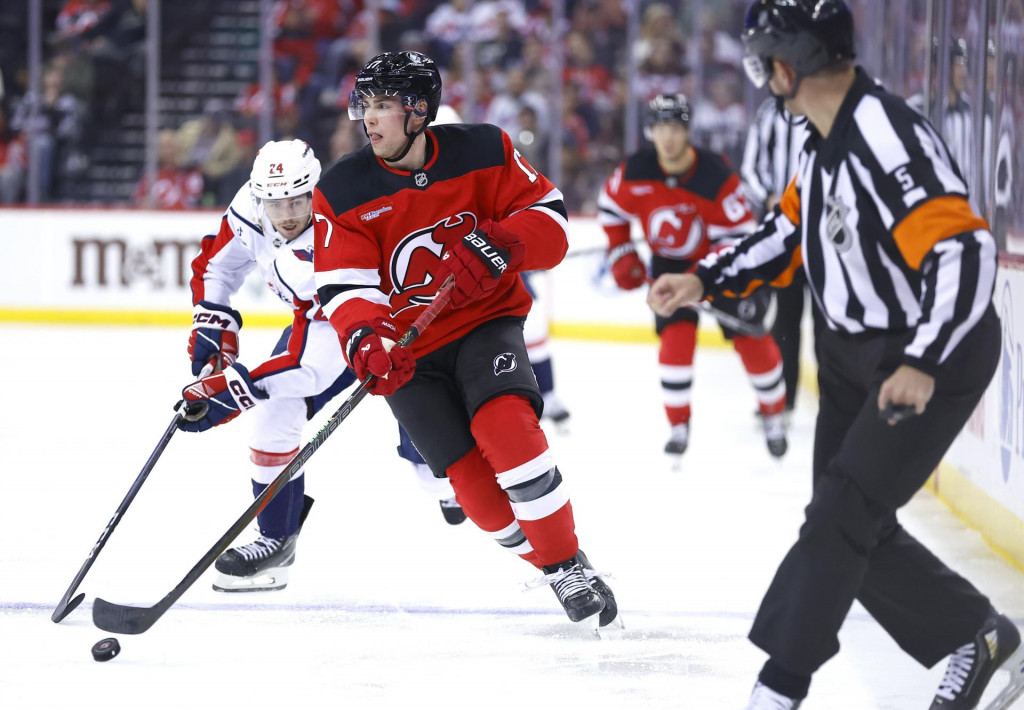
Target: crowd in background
(497, 59)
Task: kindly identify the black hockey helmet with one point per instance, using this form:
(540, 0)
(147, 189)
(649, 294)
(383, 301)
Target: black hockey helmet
(808, 34)
(410, 75)
(667, 108)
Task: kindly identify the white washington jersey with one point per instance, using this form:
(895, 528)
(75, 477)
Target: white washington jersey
(313, 359)
(878, 217)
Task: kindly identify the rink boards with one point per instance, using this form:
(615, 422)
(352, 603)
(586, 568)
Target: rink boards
(131, 267)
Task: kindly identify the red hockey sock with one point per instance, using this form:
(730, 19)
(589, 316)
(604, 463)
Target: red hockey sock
(675, 360)
(763, 363)
(479, 494)
(509, 435)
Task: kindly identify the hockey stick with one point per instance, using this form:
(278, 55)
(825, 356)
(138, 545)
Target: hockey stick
(125, 619)
(67, 604)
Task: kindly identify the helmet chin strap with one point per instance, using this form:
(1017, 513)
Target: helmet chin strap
(411, 139)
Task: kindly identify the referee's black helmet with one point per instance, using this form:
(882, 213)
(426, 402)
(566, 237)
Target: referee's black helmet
(808, 34)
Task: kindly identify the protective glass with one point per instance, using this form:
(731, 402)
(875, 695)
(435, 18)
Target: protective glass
(361, 107)
(289, 208)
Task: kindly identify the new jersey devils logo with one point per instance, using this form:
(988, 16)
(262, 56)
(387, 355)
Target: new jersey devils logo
(506, 362)
(417, 259)
(675, 231)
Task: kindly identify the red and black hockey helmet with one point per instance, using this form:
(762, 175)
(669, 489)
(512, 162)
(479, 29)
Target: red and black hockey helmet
(410, 75)
(808, 34)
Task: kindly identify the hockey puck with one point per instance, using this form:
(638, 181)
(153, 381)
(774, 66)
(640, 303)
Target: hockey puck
(106, 649)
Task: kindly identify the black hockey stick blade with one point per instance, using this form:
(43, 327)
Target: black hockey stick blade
(67, 605)
(127, 619)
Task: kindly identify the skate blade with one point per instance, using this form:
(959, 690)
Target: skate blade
(1015, 688)
(614, 630)
(269, 580)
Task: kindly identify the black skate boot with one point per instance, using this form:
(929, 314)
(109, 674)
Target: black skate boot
(610, 613)
(260, 566)
(678, 440)
(573, 589)
(556, 412)
(971, 667)
(452, 511)
(775, 434)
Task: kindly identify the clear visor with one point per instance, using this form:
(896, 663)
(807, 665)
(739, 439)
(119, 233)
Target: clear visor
(289, 208)
(367, 107)
(758, 69)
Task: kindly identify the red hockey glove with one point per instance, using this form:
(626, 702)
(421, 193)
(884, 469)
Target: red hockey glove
(371, 350)
(219, 398)
(627, 269)
(214, 336)
(479, 260)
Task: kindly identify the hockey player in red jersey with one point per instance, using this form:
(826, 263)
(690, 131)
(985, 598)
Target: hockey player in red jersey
(393, 221)
(689, 202)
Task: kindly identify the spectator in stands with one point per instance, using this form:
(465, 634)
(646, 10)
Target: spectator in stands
(227, 186)
(506, 106)
(658, 23)
(209, 144)
(663, 70)
(77, 16)
(175, 188)
(719, 120)
(581, 68)
(446, 27)
(503, 45)
(531, 140)
(13, 161)
(55, 131)
(347, 137)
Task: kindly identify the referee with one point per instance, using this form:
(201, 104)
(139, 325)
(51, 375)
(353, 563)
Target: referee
(902, 272)
(770, 157)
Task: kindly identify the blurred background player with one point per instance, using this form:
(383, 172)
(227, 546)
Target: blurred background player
(770, 158)
(535, 331)
(458, 202)
(689, 202)
(267, 226)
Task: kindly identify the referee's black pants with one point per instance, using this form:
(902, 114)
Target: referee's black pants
(851, 545)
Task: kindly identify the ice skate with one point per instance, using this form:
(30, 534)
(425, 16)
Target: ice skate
(452, 511)
(556, 412)
(260, 566)
(764, 698)
(574, 591)
(775, 434)
(609, 617)
(972, 666)
(677, 442)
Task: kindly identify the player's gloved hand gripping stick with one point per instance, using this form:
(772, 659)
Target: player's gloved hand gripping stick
(124, 619)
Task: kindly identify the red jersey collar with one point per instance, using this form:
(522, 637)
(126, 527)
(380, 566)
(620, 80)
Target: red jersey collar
(430, 163)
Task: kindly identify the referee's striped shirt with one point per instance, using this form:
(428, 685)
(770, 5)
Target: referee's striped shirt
(773, 148)
(878, 217)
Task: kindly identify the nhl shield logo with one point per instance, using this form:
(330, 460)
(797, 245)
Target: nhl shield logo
(420, 178)
(836, 228)
(506, 362)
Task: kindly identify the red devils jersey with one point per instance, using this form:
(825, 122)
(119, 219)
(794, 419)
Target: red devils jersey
(682, 215)
(380, 232)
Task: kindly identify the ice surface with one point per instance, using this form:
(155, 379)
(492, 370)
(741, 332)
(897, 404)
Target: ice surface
(389, 607)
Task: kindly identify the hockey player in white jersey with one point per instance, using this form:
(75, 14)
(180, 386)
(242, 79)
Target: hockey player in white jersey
(267, 226)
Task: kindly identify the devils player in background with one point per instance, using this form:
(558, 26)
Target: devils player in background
(689, 202)
(392, 222)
